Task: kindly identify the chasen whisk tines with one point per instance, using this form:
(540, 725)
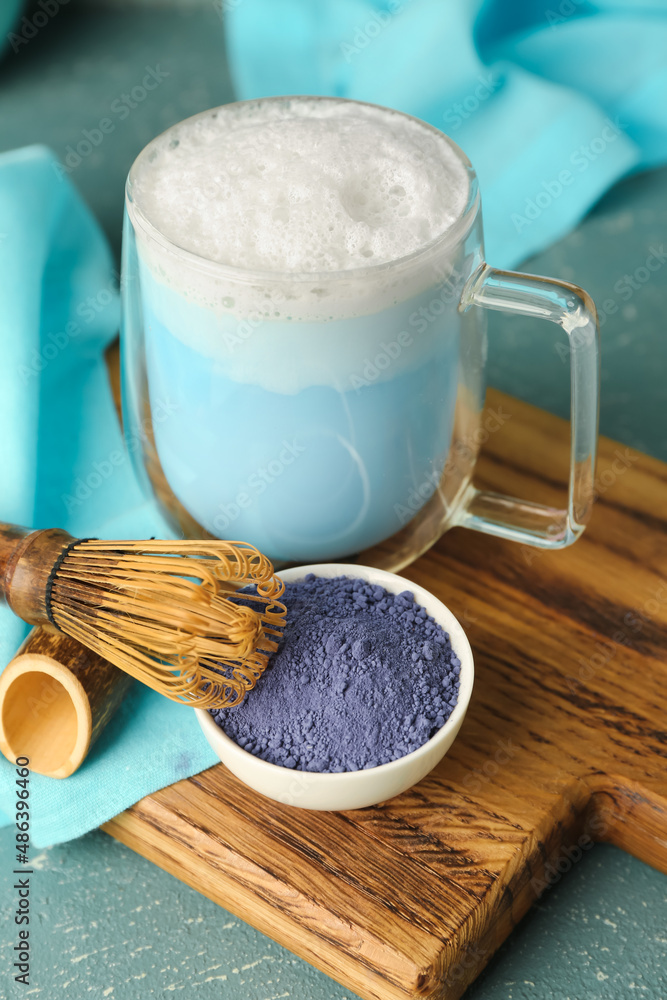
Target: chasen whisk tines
(163, 611)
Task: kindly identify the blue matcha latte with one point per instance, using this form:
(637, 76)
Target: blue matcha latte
(308, 353)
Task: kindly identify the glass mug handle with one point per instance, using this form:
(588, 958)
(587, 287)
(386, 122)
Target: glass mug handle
(572, 308)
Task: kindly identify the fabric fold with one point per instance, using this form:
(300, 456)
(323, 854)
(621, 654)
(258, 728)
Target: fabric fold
(528, 91)
(58, 312)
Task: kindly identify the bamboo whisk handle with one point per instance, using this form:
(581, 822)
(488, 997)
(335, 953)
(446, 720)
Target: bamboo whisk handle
(27, 559)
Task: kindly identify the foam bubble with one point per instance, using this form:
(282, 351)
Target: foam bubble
(263, 194)
(300, 186)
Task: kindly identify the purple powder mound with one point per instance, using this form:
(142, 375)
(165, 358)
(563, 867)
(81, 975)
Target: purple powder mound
(361, 678)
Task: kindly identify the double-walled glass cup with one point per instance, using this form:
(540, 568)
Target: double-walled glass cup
(334, 415)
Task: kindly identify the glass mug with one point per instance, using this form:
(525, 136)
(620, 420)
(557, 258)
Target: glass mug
(341, 419)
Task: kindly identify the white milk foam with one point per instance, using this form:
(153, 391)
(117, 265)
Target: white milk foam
(292, 187)
(330, 187)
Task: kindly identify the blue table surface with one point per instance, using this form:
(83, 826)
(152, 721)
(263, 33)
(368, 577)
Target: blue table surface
(108, 923)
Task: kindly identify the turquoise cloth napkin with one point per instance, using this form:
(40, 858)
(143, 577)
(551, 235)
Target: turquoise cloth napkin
(58, 311)
(552, 102)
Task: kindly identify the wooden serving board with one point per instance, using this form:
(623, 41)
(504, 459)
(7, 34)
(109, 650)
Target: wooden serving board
(565, 742)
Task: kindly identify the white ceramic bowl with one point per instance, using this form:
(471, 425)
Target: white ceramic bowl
(353, 789)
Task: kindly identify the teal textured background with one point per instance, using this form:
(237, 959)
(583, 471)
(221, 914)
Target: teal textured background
(107, 923)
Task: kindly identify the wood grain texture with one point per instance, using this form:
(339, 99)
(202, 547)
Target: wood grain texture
(565, 742)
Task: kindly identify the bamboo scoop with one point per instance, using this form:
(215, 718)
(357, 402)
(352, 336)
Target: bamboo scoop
(56, 697)
(162, 611)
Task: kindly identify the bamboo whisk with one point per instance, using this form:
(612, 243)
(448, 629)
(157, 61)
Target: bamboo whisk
(165, 612)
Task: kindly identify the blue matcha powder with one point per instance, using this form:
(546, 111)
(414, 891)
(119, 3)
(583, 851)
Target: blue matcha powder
(361, 678)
